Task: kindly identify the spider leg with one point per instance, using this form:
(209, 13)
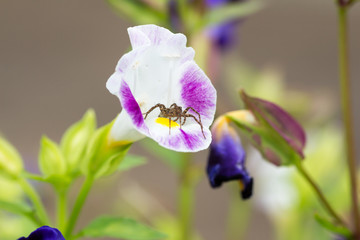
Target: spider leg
(188, 108)
(173, 105)
(199, 122)
(169, 125)
(159, 105)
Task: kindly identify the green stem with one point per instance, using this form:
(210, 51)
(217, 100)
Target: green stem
(186, 199)
(34, 197)
(61, 208)
(320, 195)
(84, 191)
(237, 216)
(347, 112)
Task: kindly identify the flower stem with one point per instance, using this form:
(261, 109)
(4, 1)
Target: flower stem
(84, 191)
(61, 208)
(320, 195)
(186, 199)
(347, 111)
(34, 197)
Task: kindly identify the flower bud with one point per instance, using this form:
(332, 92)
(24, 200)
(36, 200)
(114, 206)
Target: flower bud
(227, 158)
(75, 139)
(51, 159)
(278, 137)
(10, 160)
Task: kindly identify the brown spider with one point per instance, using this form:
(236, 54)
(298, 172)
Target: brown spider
(175, 111)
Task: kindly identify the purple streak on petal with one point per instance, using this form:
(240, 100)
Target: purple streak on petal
(184, 141)
(130, 105)
(189, 140)
(198, 92)
(44, 233)
(279, 120)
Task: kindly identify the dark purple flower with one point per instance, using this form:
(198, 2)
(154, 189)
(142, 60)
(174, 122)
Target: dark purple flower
(44, 233)
(223, 35)
(227, 158)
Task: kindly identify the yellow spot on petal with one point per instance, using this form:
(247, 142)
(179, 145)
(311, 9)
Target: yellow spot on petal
(165, 122)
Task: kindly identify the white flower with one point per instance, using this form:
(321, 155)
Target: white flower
(160, 70)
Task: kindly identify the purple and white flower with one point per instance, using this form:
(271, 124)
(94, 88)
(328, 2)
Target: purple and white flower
(160, 70)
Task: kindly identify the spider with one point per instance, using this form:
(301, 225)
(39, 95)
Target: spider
(175, 111)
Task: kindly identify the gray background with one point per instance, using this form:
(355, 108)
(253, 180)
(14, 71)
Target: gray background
(55, 58)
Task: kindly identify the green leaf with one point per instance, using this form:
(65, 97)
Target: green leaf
(333, 227)
(118, 227)
(230, 12)
(138, 11)
(172, 158)
(131, 161)
(75, 139)
(16, 207)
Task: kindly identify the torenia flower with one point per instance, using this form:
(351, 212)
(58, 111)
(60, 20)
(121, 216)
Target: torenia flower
(227, 158)
(158, 73)
(44, 233)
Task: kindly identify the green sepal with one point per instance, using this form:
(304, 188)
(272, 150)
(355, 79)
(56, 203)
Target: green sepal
(333, 227)
(102, 158)
(11, 164)
(230, 12)
(119, 227)
(139, 12)
(75, 139)
(51, 160)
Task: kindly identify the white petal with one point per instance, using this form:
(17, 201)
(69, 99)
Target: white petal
(113, 83)
(148, 35)
(123, 129)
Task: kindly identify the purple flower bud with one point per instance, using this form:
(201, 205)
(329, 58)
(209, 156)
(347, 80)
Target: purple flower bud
(227, 158)
(44, 233)
(271, 115)
(223, 35)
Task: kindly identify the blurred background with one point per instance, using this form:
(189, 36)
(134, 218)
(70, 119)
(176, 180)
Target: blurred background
(56, 56)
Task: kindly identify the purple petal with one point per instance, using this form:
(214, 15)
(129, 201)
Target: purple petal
(198, 92)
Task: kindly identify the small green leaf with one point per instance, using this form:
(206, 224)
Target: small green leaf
(75, 139)
(333, 227)
(16, 207)
(131, 161)
(10, 161)
(172, 158)
(118, 227)
(138, 11)
(230, 12)
(51, 159)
